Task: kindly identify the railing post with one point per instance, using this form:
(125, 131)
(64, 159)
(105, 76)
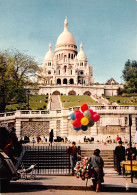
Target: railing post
(38, 159)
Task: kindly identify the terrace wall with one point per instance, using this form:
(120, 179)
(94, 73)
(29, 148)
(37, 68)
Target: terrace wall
(114, 120)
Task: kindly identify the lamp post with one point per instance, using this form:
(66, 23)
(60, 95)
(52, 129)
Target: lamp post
(28, 93)
(130, 124)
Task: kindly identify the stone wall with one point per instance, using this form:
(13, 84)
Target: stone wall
(113, 121)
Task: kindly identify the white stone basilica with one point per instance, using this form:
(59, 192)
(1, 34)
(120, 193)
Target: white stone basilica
(66, 71)
(66, 65)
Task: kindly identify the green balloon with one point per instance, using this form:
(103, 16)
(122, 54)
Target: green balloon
(91, 123)
(87, 114)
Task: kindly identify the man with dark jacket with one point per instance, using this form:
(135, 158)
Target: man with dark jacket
(73, 156)
(119, 156)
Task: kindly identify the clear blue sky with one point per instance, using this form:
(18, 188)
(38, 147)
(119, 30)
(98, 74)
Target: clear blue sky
(107, 29)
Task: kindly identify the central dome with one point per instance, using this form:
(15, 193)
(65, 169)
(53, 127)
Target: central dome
(66, 37)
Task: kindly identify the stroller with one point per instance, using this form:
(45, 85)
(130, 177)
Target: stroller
(24, 172)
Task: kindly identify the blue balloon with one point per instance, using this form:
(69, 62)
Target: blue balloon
(72, 116)
(84, 128)
(76, 128)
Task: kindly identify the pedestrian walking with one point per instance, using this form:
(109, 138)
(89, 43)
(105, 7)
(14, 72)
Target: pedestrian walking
(97, 162)
(119, 156)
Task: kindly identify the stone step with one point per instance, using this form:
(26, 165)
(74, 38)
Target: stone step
(108, 166)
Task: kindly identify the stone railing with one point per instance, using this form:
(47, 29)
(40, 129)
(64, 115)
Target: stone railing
(66, 112)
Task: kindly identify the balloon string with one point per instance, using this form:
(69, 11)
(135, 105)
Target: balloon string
(86, 184)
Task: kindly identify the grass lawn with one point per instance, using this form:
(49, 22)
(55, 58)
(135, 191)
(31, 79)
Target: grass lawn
(122, 100)
(36, 102)
(75, 100)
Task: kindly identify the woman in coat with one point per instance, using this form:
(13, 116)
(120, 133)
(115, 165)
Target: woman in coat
(98, 164)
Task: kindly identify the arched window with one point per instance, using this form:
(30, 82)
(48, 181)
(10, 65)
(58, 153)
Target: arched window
(65, 81)
(71, 81)
(58, 81)
(65, 68)
(69, 55)
(71, 72)
(59, 71)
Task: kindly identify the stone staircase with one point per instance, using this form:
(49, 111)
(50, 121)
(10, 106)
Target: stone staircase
(107, 156)
(55, 103)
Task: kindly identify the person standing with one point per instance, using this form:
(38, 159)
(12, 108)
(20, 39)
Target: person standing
(51, 135)
(131, 153)
(73, 155)
(98, 164)
(33, 141)
(119, 156)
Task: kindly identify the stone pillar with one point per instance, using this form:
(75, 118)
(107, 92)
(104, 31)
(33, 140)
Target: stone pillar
(133, 127)
(18, 128)
(64, 127)
(94, 130)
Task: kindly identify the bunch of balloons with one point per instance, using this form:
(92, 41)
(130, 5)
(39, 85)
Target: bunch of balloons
(83, 120)
(83, 169)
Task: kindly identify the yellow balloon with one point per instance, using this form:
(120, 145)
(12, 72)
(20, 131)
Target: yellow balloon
(84, 121)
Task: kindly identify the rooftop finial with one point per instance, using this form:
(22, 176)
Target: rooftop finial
(66, 24)
(81, 46)
(50, 47)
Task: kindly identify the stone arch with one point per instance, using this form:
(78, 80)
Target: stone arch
(87, 93)
(59, 81)
(65, 81)
(71, 81)
(56, 93)
(72, 92)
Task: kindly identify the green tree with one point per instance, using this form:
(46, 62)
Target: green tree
(130, 76)
(19, 70)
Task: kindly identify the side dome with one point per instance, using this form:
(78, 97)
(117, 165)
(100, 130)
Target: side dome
(81, 54)
(65, 37)
(49, 55)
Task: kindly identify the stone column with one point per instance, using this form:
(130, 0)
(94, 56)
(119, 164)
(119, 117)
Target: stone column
(64, 127)
(18, 128)
(94, 130)
(133, 127)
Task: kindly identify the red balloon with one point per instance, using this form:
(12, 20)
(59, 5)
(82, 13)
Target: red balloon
(90, 110)
(79, 115)
(96, 117)
(92, 114)
(77, 111)
(84, 107)
(76, 123)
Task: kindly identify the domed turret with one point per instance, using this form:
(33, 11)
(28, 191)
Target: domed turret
(65, 40)
(65, 37)
(81, 55)
(49, 55)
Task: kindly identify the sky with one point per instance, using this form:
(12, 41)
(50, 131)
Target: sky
(106, 28)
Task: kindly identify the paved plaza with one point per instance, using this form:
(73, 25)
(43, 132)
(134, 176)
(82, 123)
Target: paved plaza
(64, 185)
